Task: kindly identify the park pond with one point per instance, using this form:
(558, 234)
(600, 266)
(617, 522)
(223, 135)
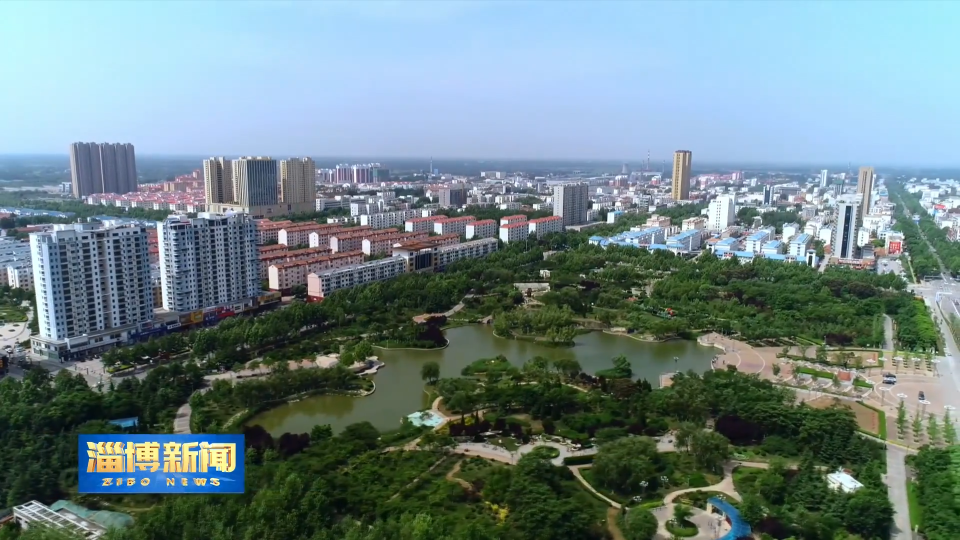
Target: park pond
(400, 388)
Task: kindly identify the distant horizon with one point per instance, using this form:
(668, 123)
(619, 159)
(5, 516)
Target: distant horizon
(836, 168)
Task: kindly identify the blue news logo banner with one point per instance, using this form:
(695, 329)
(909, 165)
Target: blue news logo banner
(121, 464)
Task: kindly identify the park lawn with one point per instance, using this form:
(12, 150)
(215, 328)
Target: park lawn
(507, 443)
(12, 314)
(869, 420)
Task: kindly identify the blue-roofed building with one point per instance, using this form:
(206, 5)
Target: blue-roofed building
(738, 527)
(639, 238)
(31, 212)
(725, 245)
(772, 247)
(756, 240)
(798, 246)
(686, 241)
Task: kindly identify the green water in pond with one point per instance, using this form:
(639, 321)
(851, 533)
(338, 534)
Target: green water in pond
(400, 388)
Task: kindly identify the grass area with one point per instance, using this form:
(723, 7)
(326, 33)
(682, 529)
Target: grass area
(913, 502)
(11, 314)
(507, 443)
(684, 529)
(474, 468)
(744, 479)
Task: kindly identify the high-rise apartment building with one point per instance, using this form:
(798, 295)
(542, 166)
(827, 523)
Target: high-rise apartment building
(453, 196)
(767, 195)
(571, 202)
(298, 182)
(722, 212)
(102, 168)
(256, 181)
(845, 233)
(93, 288)
(865, 189)
(682, 160)
(208, 261)
(218, 180)
(824, 177)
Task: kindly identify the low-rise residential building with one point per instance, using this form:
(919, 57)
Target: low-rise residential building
(422, 224)
(726, 244)
(453, 225)
(383, 244)
(269, 231)
(20, 277)
(790, 230)
(657, 221)
(298, 234)
(322, 284)
(350, 240)
(285, 276)
(693, 223)
(541, 227)
(280, 257)
(514, 232)
(468, 250)
(485, 228)
(799, 245)
(383, 220)
(512, 219)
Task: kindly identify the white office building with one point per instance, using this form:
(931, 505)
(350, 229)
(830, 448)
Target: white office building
(20, 277)
(790, 230)
(385, 220)
(208, 261)
(93, 288)
(799, 245)
(722, 212)
(755, 241)
(824, 177)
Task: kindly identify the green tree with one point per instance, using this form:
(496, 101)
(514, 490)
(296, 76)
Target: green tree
(933, 429)
(949, 429)
(916, 426)
(901, 418)
(430, 372)
(710, 450)
(638, 524)
(320, 433)
(624, 464)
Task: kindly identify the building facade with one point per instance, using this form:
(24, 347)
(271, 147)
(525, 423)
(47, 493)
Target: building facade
(571, 202)
(218, 180)
(298, 181)
(454, 196)
(682, 161)
(93, 288)
(102, 168)
(722, 212)
(514, 232)
(322, 284)
(207, 261)
(844, 245)
(453, 225)
(541, 227)
(865, 190)
(485, 228)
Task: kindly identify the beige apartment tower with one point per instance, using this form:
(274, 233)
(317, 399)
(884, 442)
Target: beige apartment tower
(298, 181)
(218, 180)
(682, 160)
(865, 190)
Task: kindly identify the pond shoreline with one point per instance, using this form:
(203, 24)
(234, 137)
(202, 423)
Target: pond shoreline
(401, 391)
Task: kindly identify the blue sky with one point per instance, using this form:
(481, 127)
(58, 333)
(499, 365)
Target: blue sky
(760, 81)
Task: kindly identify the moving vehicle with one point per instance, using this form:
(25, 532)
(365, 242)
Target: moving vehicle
(922, 397)
(889, 378)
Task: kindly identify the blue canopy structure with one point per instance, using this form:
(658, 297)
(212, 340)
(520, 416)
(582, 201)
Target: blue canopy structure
(126, 423)
(738, 527)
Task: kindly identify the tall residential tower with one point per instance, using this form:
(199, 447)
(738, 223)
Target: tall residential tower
(210, 260)
(218, 180)
(93, 288)
(102, 168)
(571, 202)
(865, 189)
(682, 160)
(298, 181)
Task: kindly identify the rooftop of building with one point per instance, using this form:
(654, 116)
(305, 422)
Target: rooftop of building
(801, 239)
(318, 259)
(546, 219)
(484, 222)
(456, 219)
(515, 217)
(515, 225)
(758, 236)
(427, 218)
(683, 235)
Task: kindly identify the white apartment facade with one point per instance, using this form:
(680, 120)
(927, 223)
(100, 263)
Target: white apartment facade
(541, 227)
(20, 277)
(485, 228)
(322, 284)
(208, 261)
(454, 225)
(287, 275)
(467, 250)
(722, 212)
(514, 232)
(93, 288)
(421, 224)
(398, 218)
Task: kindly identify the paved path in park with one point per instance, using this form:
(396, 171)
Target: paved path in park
(896, 480)
(707, 525)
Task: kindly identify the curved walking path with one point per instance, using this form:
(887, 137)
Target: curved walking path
(452, 477)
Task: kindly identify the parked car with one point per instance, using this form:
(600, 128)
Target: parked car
(922, 397)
